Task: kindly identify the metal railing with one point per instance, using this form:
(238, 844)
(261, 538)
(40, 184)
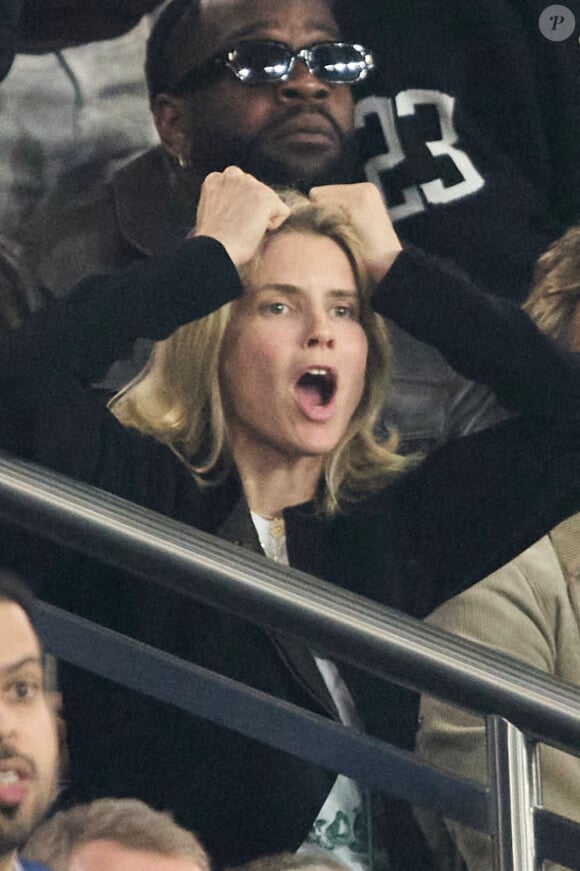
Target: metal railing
(522, 705)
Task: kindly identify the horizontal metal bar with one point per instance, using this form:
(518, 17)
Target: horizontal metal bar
(375, 638)
(258, 715)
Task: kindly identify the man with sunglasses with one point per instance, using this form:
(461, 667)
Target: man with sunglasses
(262, 84)
(280, 107)
(265, 85)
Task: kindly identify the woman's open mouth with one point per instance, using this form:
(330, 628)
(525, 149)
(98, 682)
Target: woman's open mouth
(315, 391)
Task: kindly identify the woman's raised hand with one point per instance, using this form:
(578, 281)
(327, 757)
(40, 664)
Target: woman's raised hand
(366, 210)
(237, 210)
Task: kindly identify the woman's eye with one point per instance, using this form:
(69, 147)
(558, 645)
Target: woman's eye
(276, 308)
(345, 311)
(23, 690)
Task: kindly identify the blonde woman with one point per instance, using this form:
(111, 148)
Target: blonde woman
(256, 423)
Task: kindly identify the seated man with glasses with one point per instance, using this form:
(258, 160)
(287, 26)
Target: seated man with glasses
(264, 85)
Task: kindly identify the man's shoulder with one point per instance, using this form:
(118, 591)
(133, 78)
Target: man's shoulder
(566, 540)
(105, 227)
(138, 170)
(72, 239)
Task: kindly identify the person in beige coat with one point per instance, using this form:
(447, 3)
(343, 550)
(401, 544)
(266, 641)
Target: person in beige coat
(528, 609)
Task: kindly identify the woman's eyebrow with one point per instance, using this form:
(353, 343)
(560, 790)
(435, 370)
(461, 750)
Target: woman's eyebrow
(280, 288)
(343, 294)
(292, 289)
(21, 663)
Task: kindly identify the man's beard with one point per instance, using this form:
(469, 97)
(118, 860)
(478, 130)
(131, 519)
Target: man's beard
(14, 832)
(15, 829)
(16, 826)
(343, 169)
(249, 154)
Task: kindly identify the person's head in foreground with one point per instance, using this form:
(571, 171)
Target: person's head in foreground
(29, 751)
(554, 303)
(285, 382)
(227, 86)
(112, 834)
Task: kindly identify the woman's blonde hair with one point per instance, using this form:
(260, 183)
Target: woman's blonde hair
(556, 292)
(177, 398)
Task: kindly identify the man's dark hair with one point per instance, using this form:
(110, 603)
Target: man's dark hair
(158, 67)
(13, 589)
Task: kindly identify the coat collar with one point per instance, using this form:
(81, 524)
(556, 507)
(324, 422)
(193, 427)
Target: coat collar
(239, 529)
(153, 212)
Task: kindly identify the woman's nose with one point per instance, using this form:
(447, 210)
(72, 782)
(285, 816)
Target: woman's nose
(320, 332)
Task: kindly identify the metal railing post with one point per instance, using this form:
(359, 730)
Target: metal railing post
(514, 792)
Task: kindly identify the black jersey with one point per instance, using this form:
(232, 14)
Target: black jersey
(471, 126)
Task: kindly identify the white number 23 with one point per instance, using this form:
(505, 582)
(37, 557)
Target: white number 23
(416, 197)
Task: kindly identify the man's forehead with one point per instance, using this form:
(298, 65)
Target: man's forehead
(224, 22)
(18, 640)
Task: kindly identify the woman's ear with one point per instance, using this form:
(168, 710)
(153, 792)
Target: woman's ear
(169, 114)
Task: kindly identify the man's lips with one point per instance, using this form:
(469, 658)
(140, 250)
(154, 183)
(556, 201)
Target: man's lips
(19, 764)
(310, 129)
(15, 776)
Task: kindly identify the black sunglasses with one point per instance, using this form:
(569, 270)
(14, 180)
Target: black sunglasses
(263, 62)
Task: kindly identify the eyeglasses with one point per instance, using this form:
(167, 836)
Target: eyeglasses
(263, 62)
